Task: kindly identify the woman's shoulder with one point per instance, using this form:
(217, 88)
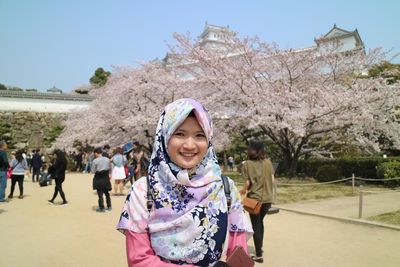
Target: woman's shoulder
(140, 186)
(138, 195)
(267, 162)
(135, 213)
(251, 162)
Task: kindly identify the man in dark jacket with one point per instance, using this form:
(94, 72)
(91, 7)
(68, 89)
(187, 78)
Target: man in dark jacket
(36, 165)
(101, 182)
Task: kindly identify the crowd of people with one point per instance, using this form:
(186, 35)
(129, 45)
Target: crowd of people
(181, 209)
(22, 164)
(122, 166)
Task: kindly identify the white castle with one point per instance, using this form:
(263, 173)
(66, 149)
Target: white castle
(218, 37)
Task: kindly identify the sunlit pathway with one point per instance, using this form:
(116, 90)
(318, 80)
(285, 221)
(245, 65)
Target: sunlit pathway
(34, 233)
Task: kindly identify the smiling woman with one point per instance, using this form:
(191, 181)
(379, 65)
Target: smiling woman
(188, 145)
(189, 222)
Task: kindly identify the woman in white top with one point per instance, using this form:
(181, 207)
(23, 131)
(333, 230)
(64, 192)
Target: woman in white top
(118, 171)
(19, 166)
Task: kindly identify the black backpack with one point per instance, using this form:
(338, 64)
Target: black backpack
(144, 165)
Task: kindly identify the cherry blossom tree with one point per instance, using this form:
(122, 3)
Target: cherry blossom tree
(295, 97)
(126, 108)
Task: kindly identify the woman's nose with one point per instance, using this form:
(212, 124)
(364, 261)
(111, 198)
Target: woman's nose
(189, 143)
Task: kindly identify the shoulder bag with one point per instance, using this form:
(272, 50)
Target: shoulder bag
(251, 205)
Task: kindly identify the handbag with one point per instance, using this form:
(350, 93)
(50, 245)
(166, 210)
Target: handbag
(239, 258)
(126, 169)
(9, 172)
(251, 205)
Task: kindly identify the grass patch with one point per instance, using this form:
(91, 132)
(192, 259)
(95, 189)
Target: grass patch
(292, 194)
(389, 218)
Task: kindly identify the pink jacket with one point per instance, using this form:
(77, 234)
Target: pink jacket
(140, 253)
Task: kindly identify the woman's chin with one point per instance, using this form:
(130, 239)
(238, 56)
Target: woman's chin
(187, 164)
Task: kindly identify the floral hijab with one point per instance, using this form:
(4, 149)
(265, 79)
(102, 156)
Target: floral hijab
(190, 220)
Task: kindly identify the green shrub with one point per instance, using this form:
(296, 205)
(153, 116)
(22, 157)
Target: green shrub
(326, 173)
(52, 135)
(361, 167)
(389, 170)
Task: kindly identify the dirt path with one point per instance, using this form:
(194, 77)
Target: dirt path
(34, 233)
(300, 240)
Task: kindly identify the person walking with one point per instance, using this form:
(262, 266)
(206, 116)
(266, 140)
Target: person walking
(57, 171)
(36, 165)
(231, 162)
(258, 174)
(180, 213)
(140, 160)
(89, 164)
(19, 167)
(101, 180)
(3, 170)
(118, 171)
(29, 160)
(79, 160)
(85, 159)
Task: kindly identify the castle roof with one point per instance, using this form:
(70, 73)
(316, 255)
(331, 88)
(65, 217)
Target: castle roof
(214, 28)
(338, 33)
(54, 90)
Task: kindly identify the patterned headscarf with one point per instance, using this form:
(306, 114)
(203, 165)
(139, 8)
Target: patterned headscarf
(190, 220)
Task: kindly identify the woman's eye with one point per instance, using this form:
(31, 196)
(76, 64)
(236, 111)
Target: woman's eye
(179, 134)
(201, 135)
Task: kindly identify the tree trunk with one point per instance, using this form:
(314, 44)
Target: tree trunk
(290, 163)
(292, 168)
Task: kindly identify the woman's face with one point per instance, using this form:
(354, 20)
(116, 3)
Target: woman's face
(188, 144)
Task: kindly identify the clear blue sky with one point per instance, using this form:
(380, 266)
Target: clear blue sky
(61, 42)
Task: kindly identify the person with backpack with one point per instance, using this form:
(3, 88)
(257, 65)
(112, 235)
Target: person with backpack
(19, 166)
(3, 170)
(140, 160)
(180, 214)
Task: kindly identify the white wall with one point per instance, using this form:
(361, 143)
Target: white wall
(348, 43)
(41, 105)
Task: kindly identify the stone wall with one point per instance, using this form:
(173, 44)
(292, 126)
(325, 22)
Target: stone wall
(30, 130)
